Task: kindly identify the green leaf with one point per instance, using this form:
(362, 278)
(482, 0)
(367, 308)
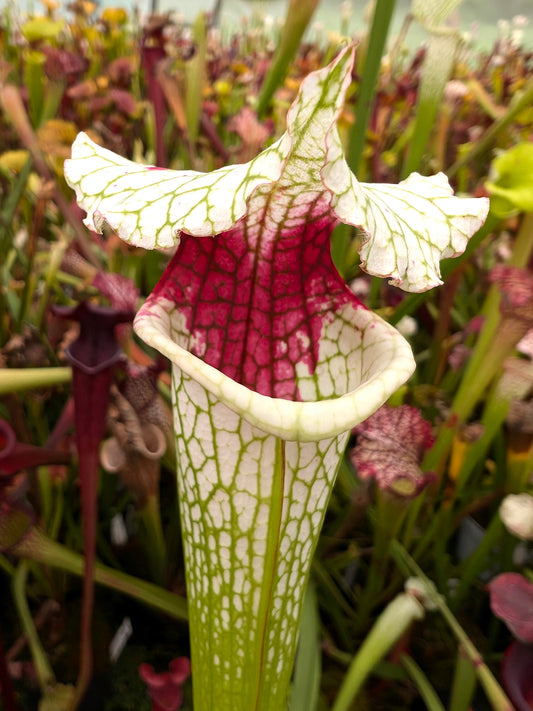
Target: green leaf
(195, 71)
(511, 183)
(299, 14)
(305, 687)
(393, 622)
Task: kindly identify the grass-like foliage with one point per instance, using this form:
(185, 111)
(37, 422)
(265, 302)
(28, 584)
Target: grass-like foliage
(420, 578)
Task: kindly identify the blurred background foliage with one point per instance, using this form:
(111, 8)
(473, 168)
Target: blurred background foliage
(197, 96)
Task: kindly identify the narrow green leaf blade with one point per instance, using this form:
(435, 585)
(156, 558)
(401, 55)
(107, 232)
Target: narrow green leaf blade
(307, 669)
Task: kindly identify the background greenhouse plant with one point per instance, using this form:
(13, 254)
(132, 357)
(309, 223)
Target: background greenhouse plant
(86, 74)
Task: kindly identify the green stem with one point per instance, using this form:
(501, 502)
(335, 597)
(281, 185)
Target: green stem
(45, 494)
(523, 245)
(376, 44)
(299, 14)
(18, 379)
(34, 81)
(56, 252)
(522, 251)
(493, 417)
(495, 694)
(464, 683)
(387, 630)
(306, 678)
(518, 471)
(520, 101)
(155, 540)
(37, 546)
(340, 608)
(12, 199)
(391, 512)
(426, 690)
(54, 94)
(195, 72)
(7, 566)
(495, 343)
(474, 383)
(412, 521)
(475, 564)
(44, 672)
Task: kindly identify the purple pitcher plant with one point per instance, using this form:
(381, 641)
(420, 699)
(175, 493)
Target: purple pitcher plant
(274, 359)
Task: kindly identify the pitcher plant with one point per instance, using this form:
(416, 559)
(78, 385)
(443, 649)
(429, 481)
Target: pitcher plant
(274, 359)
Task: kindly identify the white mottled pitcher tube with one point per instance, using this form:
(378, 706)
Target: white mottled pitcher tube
(252, 504)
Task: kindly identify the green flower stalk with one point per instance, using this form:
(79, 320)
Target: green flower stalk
(393, 622)
(298, 17)
(274, 360)
(27, 541)
(19, 379)
(389, 449)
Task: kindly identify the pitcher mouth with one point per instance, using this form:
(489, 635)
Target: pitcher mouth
(389, 363)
